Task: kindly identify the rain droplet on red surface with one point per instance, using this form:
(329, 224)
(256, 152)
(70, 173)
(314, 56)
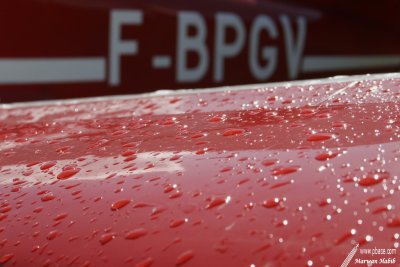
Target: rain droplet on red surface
(271, 203)
(394, 222)
(145, 263)
(325, 156)
(2, 216)
(268, 162)
(216, 202)
(6, 257)
(175, 157)
(135, 234)
(60, 216)
(198, 135)
(47, 165)
(48, 197)
(38, 210)
(32, 164)
(176, 223)
(51, 235)
(285, 170)
(67, 174)
(128, 153)
(343, 237)
(184, 257)
(320, 137)
(232, 132)
(371, 180)
(104, 239)
(120, 204)
(215, 119)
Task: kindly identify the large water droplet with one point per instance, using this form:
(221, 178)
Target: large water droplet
(145, 263)
(215, 203)
(394, 222)
(51, 235)
(176, 223)
(284, 170)
(6, 257)
(320, 137)
(67, 174)
(47, 165)
(326, 156)
(373, 179)
(232, 132)
(48, 197)
(135, 234)
(184, 257)
(271, 203)
(104, 239)
(120, 204)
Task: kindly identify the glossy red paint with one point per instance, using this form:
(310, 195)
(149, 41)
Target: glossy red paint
(73, 48)
(265, 195)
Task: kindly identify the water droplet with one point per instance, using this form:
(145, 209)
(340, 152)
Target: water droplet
(60, 216)
(32, 164)
(215, 119)
(344, 237)
(104, 239)
(243, 181)
(232, 132)
(6, 257)
(128, 153)
(134, 234)
(48, 197)
(215, 203)
(284, 170)
(394, 222)
(320, 137)
(326, 156)
(325, 202)
(184, 257)
(67, 174)
(51, 235)
(145, 263)
(120, 204)
(373, 179)
(382, 209)
(47, 165)
(198, 135)
(176, 223)
(38, 210)
(277, 185)
(269, 162)
(175, 157)
(226, 169)
(271, 203)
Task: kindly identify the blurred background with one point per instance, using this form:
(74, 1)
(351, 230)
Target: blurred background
(57, 49)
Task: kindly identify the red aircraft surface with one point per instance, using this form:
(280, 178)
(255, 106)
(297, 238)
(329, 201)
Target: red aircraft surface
(74, 48)
(302, 174)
